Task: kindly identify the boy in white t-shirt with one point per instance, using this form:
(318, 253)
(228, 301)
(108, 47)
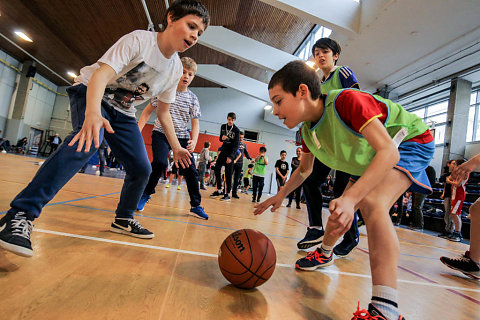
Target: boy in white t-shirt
(139, 66)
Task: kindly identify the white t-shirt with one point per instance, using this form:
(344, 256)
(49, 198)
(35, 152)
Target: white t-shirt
(142, 71)
(185, 107)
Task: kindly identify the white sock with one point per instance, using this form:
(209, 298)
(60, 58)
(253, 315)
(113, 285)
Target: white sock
(385, 299)
(326, 250)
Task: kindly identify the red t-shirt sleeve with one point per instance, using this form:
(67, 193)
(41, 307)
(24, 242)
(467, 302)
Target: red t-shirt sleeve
(304, 147)
(358, 109)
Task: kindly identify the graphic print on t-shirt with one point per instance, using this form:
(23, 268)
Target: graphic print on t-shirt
(131, 87)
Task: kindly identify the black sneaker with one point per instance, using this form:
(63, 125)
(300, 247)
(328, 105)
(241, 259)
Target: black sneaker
(234, 195)
(253, 200)
(455, 237)
(289, 205)
(15, 230)
(298, 206)
(130, 227)
(226, 197)
(463, 264)
(312, 238)
(344, 248)
(313, 260)
(445, 235)
(216, 193)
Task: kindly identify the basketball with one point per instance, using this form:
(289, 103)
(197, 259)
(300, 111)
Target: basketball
(247, 258)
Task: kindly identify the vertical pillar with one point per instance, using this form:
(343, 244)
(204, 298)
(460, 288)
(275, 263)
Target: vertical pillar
(15, 125)
(457, 120)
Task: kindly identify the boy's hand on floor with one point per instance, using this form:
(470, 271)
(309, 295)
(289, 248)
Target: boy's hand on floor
(275, 202)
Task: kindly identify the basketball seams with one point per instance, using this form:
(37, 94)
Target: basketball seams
(250, 247)
(254, 278)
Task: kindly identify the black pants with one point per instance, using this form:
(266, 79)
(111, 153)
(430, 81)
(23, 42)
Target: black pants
(257, 186)
(295, 193)
(237, 170)
(222, 161)
(161, 149)
(314, 198)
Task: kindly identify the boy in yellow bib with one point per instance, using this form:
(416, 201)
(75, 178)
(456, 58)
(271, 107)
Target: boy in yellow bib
(386, 147)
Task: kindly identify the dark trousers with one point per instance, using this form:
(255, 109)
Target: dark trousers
(295, 194)
(257, 187)
(314, 198)
(161, 149)
(222, 161)
(202, 167)
(63, 164)
(237, 170)
(417, 209)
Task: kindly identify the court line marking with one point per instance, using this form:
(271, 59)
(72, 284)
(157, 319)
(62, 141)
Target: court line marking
(179, 221)
(132, 244)
(225, 228)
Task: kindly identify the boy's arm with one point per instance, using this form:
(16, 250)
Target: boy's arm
(385, 158)
(147, 112)
(195, 131)
(238, 157)
(236, 142)
(221, 136)
(296, 179)
(93, 116)
(462, 171)
(179, 154)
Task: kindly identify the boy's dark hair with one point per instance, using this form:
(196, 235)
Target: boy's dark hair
(263, 149)
(181, 8)
(292, 75)
(283, 151)
(460, 161)
(242, 133)
(232, 115)
(206, 144)
(327, 43)
(250, 165)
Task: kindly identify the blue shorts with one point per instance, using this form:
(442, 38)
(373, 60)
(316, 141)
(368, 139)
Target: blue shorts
(414, 159)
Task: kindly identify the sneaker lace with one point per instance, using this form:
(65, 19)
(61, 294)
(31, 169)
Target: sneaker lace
(361, 314)
(21, 225)
(136, 224)
(313, 255)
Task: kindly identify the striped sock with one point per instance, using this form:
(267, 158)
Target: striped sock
(385, 299)
(326, 250)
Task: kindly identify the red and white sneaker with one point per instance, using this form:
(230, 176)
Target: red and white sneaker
(371, 314)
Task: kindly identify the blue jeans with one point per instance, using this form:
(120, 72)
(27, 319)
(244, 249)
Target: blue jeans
(126, 143)
(202, 168)
(161, 149)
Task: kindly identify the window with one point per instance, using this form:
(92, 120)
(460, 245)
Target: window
(473, 129)
(251, 136)
(471, 117)
(304, 50)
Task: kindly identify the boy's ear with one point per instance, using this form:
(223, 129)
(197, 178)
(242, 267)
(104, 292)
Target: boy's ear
(302, 90)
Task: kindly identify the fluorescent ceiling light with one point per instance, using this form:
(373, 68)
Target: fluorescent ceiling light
(71, 74)
(23, 36)
(267, 107)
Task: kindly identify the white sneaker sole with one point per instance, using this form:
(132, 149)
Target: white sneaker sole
(197, 216)
(141, 236)
(21, 251)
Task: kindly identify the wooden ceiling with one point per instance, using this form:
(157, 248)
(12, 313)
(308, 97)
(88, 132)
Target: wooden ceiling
(69, 34)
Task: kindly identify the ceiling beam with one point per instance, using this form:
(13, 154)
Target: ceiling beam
(231, 79)
(246, 49)
(334, 14)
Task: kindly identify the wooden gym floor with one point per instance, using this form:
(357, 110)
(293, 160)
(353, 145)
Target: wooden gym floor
(80, 270)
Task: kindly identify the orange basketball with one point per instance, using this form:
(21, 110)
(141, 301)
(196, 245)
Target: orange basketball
(247, 258)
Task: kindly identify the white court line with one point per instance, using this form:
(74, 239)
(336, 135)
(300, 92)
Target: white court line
(358, 275)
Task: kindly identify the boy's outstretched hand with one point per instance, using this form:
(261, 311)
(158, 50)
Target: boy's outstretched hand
(182, 156)
(91, 131)
(341, 215)
(275, 202)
